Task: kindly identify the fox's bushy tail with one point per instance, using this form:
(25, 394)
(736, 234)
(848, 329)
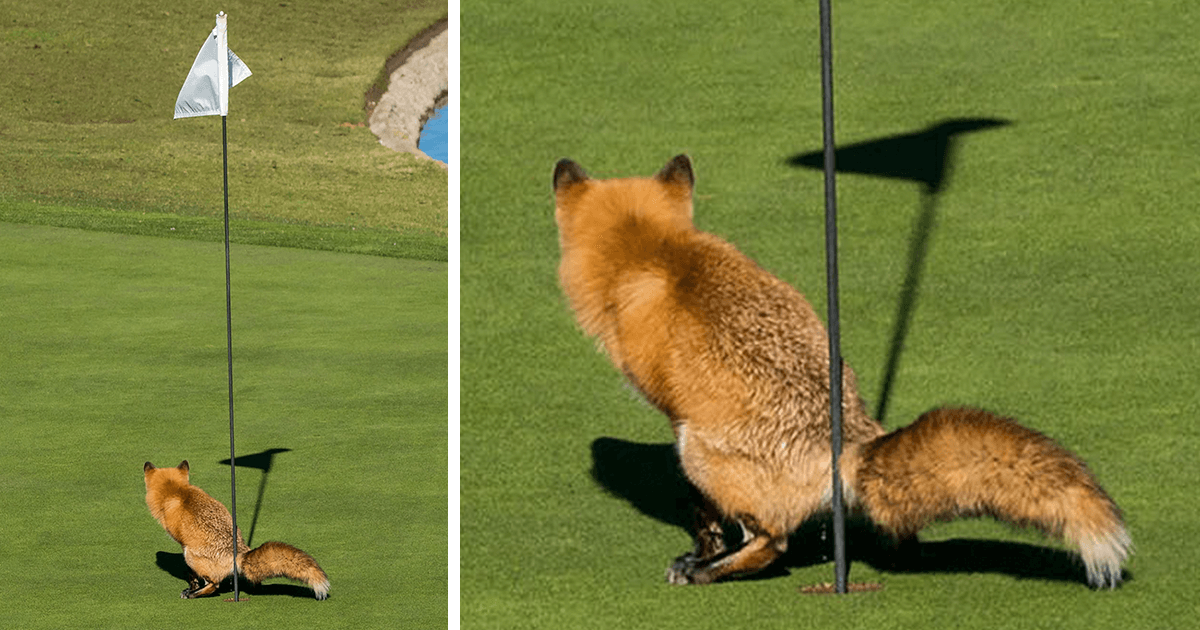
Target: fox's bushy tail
(966, 462)
(276, 559)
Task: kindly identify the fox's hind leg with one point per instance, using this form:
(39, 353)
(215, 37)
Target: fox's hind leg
(760, 549)
(198, 586)
(708, 532)
(202, 579)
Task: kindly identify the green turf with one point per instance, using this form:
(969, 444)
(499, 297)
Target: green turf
(112, 350)
(112, 344)
(90, 92)
(1059, 284)
(396, 243)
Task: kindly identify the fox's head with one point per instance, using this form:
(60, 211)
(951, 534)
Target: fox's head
(609, 229)
(586, 208)
(163, 476)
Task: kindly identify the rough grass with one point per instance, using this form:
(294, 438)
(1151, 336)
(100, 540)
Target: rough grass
(91, 90)
(1058, 286)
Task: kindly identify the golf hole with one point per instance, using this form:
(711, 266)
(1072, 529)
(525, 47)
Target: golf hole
(827, 588)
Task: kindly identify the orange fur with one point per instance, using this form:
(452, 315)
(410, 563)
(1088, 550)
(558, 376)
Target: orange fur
(202, 525)
(986, 465)
(738, 361)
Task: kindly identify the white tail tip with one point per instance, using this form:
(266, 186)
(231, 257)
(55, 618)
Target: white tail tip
(1103, 557)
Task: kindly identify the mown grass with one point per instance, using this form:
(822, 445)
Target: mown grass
(91, 91)
(369, 241)
(113, 353)
(1057, 286)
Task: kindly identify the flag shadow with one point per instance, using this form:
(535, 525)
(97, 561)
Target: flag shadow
(650, 479)
(263, 461)
(924, 157)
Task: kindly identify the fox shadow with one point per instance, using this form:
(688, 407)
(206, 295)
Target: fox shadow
(174, 564)
(650, 478)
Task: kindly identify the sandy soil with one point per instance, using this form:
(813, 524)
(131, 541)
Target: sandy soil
(417, 85)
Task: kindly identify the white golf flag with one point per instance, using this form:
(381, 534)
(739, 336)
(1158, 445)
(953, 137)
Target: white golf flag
(206, 90)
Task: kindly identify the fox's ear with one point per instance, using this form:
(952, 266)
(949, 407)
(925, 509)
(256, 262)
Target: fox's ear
(183, 465)
(678, 172)
(568, 173)
(148, 467)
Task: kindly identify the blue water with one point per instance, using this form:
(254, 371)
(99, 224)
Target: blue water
(435, 135)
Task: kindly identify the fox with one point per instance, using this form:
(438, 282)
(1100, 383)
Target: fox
(738, 362)
(201, 525)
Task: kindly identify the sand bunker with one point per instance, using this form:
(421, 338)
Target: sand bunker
(416, 87)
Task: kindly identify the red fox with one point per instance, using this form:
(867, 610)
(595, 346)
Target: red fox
(202, 525)
(738, 362)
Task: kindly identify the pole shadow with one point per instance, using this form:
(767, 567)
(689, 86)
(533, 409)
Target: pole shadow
(650, 479)
(924, 157)
(263, 461)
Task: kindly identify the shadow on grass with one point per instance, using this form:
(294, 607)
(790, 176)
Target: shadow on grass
(174, 564)
(263, 461)
(923, 157)
(649, 477)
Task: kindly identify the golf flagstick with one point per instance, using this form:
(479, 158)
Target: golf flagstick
(831, 272)
(205, 92)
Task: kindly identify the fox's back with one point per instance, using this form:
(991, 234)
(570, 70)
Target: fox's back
(189, 514)
(699, 327)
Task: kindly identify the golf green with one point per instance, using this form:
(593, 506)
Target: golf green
(112, 353)
(1045, 270)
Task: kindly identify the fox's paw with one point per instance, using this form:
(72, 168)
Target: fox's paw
(198, 588)
(687, 569)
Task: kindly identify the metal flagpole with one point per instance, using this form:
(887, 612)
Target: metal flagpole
(229, 355)
(205, 92)
(223, 67)
(831, 272)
